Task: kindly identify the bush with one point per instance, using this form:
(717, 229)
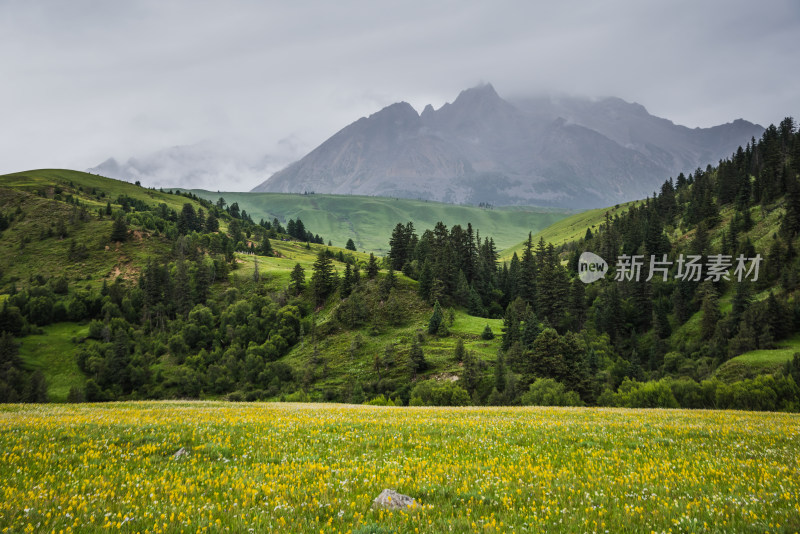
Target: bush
(432, 393)
(75, 395)
(297, 396)
(549, 392)
(689, 394)
(380, 400)
(632, 394)
(255, 395)
(235, 396)
(487, 333)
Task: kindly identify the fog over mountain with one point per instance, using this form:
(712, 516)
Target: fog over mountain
(212, 164)
(567, 152)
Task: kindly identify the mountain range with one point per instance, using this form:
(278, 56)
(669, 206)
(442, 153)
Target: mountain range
(564, 152)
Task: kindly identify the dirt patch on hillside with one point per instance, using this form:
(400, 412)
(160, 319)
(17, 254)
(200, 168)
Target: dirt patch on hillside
(126, 270)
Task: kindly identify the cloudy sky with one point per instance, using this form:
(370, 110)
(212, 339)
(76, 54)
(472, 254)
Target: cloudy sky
(85, 80)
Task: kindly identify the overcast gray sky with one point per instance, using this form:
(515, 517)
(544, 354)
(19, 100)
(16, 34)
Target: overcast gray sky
(87, 79)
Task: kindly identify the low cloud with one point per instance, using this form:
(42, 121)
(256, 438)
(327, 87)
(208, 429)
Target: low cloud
(86, 80)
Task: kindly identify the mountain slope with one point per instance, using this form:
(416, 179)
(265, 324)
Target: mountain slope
(369, 220)
(481, 148)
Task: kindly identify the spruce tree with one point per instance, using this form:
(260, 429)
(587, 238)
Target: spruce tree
(297, 279)
(323, 280)
(425, 281)
(530, 329)
(436, 319)
(372, 267)
(527, 274)
(212, 224)
(511, 326)
(265, 249)
(417, 357)
(119, 230)
(458, 352)
(710, 308)
(487, 333)
(500, 373)
(387, 284)
(347, 282)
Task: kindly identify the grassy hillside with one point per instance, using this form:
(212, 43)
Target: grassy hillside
(369, 220)
(570, 228)
(32, 245)
(757, 362)
(33, 253)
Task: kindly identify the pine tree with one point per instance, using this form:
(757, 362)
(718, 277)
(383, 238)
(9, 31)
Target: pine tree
(500, 373)
(741, 301)
(323, 278)
(347, 282)
(710, 308)
(547, 356)
(183, 290)
(372, 267)
(425, 281)
(417, 357)
(790, 226)
(528, 272)
(265, 249)
(462, 290)
(577, 304)
(700, 241)
(119, 230)
(530, 329)
(487, 333)
(9, 350)
(350, 245)
(297, 279)
(513, 278)
(458, 352)
(387, 284)
(511, 327)
(187, 220)
(398, 247)
(436, 319)
(36, 389)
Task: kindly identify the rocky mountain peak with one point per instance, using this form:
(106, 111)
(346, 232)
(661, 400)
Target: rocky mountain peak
(566, 152)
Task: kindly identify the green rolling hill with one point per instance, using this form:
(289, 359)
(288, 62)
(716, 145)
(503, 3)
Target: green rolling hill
(180, 308)
(369, 220)
(569, 228)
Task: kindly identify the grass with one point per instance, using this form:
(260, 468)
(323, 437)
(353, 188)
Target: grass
(45, 180)
(784, 352)
(52, 353)
(369, 221)
(568, 229)
(759, 362)
(275, 270)
(32, 198)
(346, 357)
(317, 468)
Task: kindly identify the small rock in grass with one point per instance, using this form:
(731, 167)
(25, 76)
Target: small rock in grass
(393, 501)
(181, 453)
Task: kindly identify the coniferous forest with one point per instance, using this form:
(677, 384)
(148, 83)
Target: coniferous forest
(203, 302)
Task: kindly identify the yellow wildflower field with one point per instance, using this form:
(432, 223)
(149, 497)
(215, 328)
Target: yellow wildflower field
(317, 468)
